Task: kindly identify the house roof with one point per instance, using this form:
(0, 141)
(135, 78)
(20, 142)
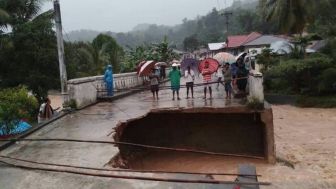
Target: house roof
(265, 40)
(216, 46)
(239, 40)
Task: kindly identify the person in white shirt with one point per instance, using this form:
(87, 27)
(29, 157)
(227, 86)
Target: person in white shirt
(190, 77)
(220, 76)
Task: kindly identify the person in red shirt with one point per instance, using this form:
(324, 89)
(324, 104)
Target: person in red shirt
(206, 73)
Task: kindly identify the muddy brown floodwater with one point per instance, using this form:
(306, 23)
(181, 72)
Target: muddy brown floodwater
(305, 139)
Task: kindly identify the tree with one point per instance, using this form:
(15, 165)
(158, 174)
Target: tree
(28, 52)
(3, 18)
(106, 50)
(20, 11)
(291, 15)
(191, 43)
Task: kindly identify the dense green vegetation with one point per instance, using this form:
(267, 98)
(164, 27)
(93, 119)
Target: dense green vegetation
(15, 104)
(91, 58)
(313, 77)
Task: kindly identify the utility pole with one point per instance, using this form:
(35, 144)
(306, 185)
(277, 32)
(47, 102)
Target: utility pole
(227, 15)
(60, 48)
(227, 18)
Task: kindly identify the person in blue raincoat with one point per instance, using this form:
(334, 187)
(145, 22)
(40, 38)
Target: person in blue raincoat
(108, 78)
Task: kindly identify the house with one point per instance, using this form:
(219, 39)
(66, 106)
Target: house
(215, 48)
(235, 44)
(262, 42)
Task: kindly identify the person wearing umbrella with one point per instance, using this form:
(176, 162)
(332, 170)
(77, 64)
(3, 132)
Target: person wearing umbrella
(154, 81)
(227, 80)
(190, 77)
(242, 74)
(220, 76)
(108, 78)
(175, 77)
(206, 73)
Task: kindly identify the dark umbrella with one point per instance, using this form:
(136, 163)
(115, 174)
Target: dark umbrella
(193, 63)
(213, 65)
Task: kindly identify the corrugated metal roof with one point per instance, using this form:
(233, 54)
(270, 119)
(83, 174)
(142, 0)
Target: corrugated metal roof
(265, 40)
(239, 40)
(216, 46)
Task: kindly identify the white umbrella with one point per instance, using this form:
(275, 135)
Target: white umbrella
(281, 47)
(161, 64)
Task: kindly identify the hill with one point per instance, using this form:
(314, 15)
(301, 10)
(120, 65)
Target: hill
(208, 28)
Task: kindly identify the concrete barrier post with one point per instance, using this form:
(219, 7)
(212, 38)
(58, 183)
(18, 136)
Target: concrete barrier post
(256, 88)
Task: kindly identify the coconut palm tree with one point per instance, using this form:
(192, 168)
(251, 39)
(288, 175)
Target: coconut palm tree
(19, 11)
(291, 15)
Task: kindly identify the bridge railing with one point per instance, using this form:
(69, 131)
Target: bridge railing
(86, 90)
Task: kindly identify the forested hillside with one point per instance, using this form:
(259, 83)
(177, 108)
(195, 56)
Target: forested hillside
(209, 28)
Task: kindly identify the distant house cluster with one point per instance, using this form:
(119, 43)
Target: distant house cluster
(255, 42)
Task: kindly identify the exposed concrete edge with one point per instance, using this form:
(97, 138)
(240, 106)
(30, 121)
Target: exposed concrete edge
(214, 110)
(5, 145)
(270, 156)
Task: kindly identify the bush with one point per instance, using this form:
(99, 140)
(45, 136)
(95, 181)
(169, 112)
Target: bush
(327, 81)
(301, 75)
(16, 104)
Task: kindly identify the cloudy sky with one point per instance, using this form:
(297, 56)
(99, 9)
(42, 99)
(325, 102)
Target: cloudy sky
(123, 15)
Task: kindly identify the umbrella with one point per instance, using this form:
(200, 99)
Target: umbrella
(146, 68)
(213, 65)
(161, 64)
(139, 66)
(241, 55)
(281, 47)
(175, 61)
(224, 57)
(193, 63)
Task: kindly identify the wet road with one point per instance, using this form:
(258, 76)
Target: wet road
(94, 123)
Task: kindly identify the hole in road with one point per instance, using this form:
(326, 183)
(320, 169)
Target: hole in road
(227, 133)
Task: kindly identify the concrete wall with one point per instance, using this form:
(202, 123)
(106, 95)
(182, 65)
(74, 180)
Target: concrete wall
(85, 90)
(256, 87)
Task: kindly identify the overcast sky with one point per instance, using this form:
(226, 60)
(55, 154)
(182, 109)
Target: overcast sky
(123, 15)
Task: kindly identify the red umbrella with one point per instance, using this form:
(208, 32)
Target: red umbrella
(146, 68)
(140, 65)
(213, 65)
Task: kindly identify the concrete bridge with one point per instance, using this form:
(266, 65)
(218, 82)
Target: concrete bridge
(250, 133)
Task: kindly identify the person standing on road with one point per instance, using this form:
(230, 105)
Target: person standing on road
(154, 82)
(220, 76)
(46, 112)
(227, 80)
(207, 78)
(108, 78)
(175, 78)
(190, 77)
